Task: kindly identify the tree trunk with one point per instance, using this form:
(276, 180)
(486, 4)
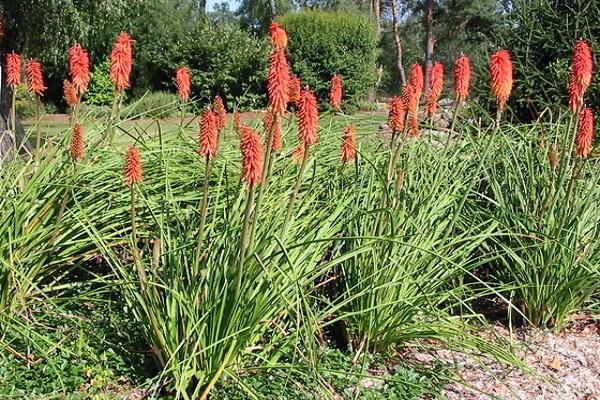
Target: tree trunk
(429, 42)
(272, 9)
(398, 42)
(201, 6)
(377, 14)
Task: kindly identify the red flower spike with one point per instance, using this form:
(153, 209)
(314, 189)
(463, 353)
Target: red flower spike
(501, 72)
(133, 167)
(77, 143)
(417, 79)
(252, 156)
(349, 144)
(208, 139)
(121, 61)
(462, 77)
(581, 74)
(13, 70)
(220, 113)
(436, 85)
(308, 117)
(183, 81)
(79, 68)
(35, 79)
(278, 84)
(335, 94)
(585, 132)
(278, 36)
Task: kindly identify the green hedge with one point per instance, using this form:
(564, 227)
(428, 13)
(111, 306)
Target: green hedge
(325, 43)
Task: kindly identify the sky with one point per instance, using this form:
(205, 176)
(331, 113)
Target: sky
(233, 4)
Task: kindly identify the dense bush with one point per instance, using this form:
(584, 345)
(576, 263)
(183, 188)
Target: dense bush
(223, 60)
(541, 35)
(327, 43)
(101, 89)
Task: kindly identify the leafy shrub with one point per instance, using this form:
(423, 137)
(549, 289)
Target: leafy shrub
(27, 106)
(101, 89)
(326, 43)
(223, 60)
(155, 105)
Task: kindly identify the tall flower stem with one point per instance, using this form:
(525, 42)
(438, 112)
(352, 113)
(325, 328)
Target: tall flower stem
(13, 120)
(497, 121)
(203, 213)
(114, 116)
(294, 194)
(266, 172)
(134, 241)
(38, 134)
(244, 244)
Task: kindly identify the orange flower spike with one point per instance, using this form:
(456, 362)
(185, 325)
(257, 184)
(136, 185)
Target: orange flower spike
(268, 125)
(462, 77)
(294, 91)
(436, 85)
(349, 144)
(77, 143)
(207, 143)
(416, 79)
(335, 94)
(585, 132)
(133, 167)
(308, 117)
(70, 93)
(412, 105)
(121, 61)
(397, 113)
(501, 71)
(220, 113)
(13, 70)
(581, 74)
(35, 79)
(252, 156)
(278, 85)
(79, 68)
(183, 82)
(278, 36)
(237, 122)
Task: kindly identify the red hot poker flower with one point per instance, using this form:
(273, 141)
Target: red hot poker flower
(412, 105)
(349, 144)
(220, 113)
(295, 87)
(581, 74)
(121, 61)
(585, 132)
(70, 93)
(35, 79)
(13, 70)
(501, 72)
(77, 143)
(237, 122)
(417, 80)
(133, 167)
(268, 125)
(207, 143)
(278, 84)
(335, 94)
(397, 113)
(462, 77)
(308, 117)
(183, 81)
(278, 36)
(436, 85)
(252, 156)
(79, 68)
